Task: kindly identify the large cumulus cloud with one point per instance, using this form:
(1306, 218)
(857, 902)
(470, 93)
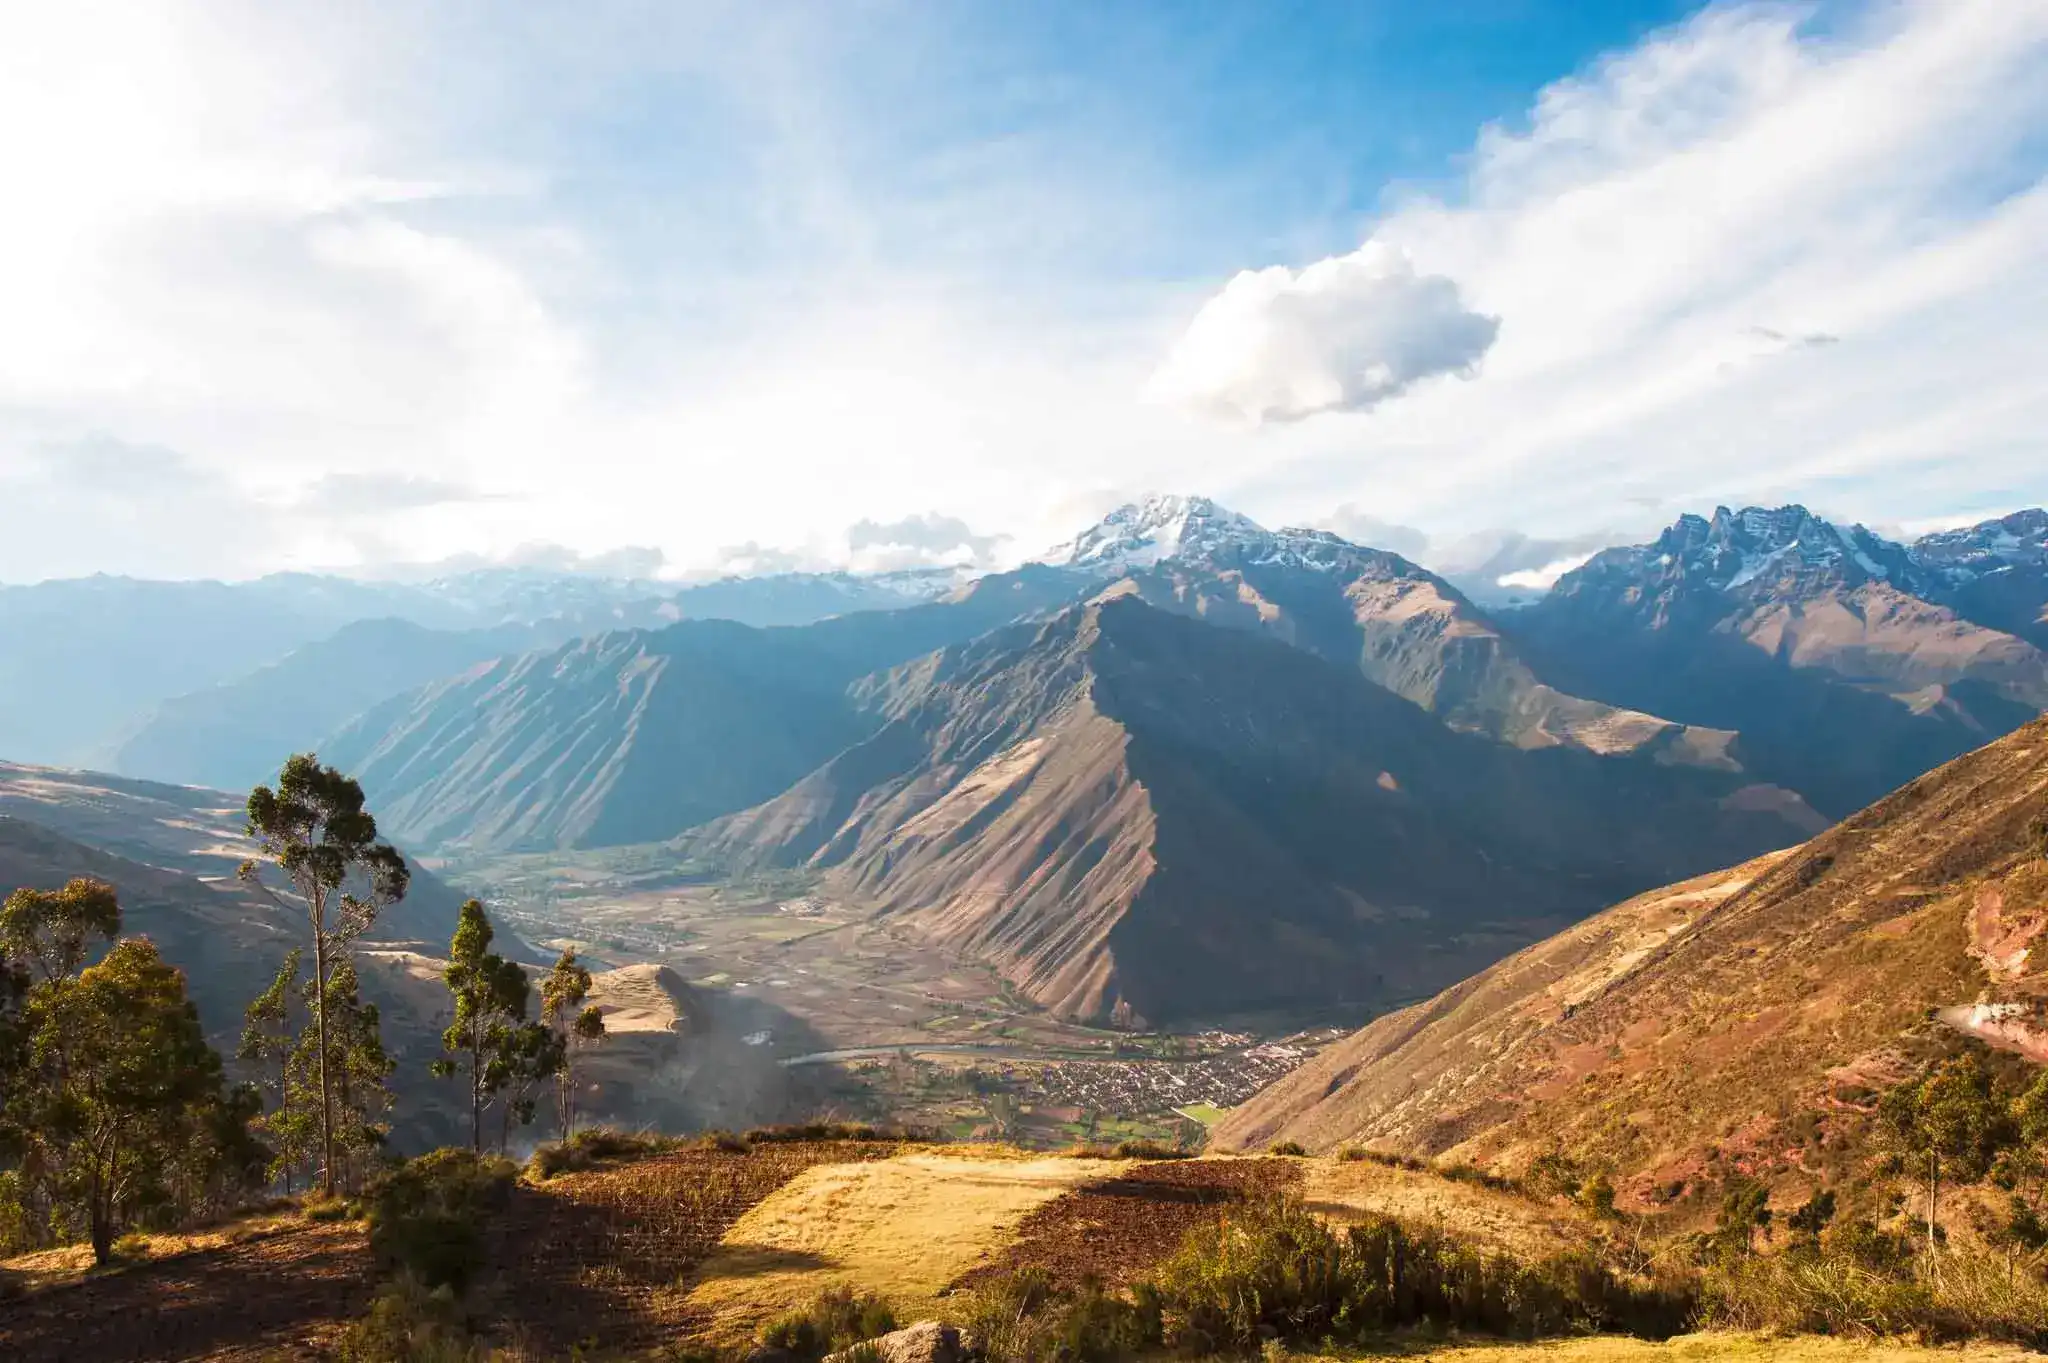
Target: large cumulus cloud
(1344, 334)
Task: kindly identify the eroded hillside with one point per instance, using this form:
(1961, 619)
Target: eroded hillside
(1709, 1013)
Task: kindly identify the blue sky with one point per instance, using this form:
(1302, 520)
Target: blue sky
(294, 288)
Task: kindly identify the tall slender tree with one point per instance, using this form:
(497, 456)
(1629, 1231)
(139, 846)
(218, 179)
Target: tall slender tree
(360, 1067)
(269, 1037)
(576, 1023)
(491, 995)
(314, 830)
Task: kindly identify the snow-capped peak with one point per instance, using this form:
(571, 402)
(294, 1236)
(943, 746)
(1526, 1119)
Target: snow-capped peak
(1963, 555)
(1141, 534)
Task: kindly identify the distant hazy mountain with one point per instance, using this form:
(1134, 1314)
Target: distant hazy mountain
(235, 734)
(193, 833)
(1125, 805)
(1401, 626)
(635, 735)
(1847, 662)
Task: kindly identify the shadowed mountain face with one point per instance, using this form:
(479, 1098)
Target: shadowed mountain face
(636, 735)
(1847, 663)
(1796, 983)
(1121, 805)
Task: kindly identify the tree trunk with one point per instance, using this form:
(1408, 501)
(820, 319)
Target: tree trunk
(320, 1030)
(102, 1214)
(476, 1102)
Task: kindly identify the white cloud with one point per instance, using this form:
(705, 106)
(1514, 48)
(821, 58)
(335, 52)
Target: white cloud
(1543, 578)
(413, 249)
(1747, 257)
(1345, 334)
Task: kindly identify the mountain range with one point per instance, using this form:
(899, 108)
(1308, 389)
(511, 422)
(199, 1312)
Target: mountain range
(1184, 764)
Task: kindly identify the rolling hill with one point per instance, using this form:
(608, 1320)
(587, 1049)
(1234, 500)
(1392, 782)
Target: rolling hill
(1125, 808)
(1716, 1015)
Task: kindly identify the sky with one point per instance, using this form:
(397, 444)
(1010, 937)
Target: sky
(700, 286)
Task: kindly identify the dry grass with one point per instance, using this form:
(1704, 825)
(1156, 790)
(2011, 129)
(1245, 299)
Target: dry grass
(902, 1228)
(71, 1263)
(1346, 1191)
(1704, 1348)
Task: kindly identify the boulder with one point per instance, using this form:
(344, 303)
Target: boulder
(925, 1342)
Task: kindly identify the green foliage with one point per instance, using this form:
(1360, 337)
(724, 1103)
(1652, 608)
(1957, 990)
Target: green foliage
(574, 1023)
(1948, 1124)
(593, 1146)
(1274, 1270)
(315, 829)
(1812, 1216)
(1022, 1318)
(1745, 1210)
(1596, 1195)
(123, 1086)
(500, 1054)
(427, 1216)
(408, 1323)
(1554, 1175)
(1295, 1148)
(269, 1040)
(52, 933)
(1840, 1291)
(836, 1320)
(358, 1070)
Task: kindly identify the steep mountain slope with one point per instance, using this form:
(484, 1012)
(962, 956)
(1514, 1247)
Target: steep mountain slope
(231, 735)
(1712, 1013)
(186, 831)
(1124, 806)
(1400, 625)
(636, 735)
(1834, 652)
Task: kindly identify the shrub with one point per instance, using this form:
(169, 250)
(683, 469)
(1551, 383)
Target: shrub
(593, 1146)
(1356, 1153)
(1148, 1150)
(1471, 1173)
(1274, 1270)
(17, 1222)
(1286, 1148)
(329, 1209)
(427, 1216)
(408, 1324)
(131, 1248)
(1023, 1319)
(836, 1320)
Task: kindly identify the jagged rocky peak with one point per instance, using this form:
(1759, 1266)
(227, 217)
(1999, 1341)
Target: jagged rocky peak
(1756, 545)
(1962, 555)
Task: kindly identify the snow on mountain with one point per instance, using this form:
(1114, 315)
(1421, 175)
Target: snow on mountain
(1756, 548)
(1995, 546)
(1181, 529)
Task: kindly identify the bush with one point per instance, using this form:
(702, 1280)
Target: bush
(1023, 1319)
(132, 1248)
(1274, 1270)
(427, 1216)
(1148, 1150)
(1294, 1148)
(408, 1324)
(593, 1146)
(836, 1320)
(329, 1209)
(1470, 1173)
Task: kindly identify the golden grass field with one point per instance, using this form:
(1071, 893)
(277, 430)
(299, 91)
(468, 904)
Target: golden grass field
(1707, 1348)
(902, 1228)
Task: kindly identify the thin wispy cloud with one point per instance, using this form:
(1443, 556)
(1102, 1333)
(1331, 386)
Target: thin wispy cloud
(706, 275)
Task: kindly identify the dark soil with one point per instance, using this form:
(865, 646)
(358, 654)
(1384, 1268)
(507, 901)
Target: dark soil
(263, 1297)
(1114, 1232)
